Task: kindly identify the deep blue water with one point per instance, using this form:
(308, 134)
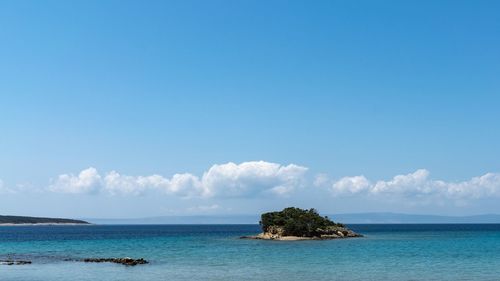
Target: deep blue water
(214, 252)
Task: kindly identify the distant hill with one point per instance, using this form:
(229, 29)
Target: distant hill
(35, 220)
(207, 219)
(352, 218)
(368, 218)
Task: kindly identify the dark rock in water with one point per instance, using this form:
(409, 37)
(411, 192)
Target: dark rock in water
(124, 261)
(14, 262)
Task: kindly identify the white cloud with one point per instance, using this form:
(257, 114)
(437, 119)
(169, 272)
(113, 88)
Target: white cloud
(226, 180)
(477, 187)
(256, 178)
(115, 183)
(418, 184)
(351, 185)
(250, 178)
(87, 181)
(185, 185)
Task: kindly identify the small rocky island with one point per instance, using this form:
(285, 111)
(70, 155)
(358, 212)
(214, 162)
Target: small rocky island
(298, 224)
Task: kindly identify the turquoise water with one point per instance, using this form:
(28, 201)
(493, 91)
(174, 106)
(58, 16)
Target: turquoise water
(214, 252)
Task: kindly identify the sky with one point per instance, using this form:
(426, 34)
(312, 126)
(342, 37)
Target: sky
(119, 109)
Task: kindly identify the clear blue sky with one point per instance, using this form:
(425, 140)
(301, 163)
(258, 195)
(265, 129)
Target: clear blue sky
(344, 88)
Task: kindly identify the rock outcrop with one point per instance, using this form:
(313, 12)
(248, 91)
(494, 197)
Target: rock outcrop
(124, 261)
(333, 233)
(297, 224)
(14, 262)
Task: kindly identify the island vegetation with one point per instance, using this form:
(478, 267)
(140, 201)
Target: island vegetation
(14, 220)
(299, 224)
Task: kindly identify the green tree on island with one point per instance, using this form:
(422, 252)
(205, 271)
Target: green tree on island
(297, 222)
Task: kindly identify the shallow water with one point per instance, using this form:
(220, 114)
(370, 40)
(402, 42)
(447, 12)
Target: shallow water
(214, 252)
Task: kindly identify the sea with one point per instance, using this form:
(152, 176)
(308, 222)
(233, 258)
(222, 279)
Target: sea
(215, 252)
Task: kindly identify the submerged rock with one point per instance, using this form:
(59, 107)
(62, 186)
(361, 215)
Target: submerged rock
(14, 262)
(124, 261)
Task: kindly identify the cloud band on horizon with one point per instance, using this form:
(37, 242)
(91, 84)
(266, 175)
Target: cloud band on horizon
(418, 184)
(225, 180)
(249, 179)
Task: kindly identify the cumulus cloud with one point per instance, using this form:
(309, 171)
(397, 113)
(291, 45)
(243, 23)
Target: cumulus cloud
(477, 187)
(225, 180)
(418, 184)
(351, 185)
(87, 181)
(249, 178)
(256, 178)
(116, 183)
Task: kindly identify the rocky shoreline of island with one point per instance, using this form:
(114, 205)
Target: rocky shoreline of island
(339, 233)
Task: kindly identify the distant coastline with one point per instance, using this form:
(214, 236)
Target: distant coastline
(27, 221)
(353, 218)
(42, 224)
